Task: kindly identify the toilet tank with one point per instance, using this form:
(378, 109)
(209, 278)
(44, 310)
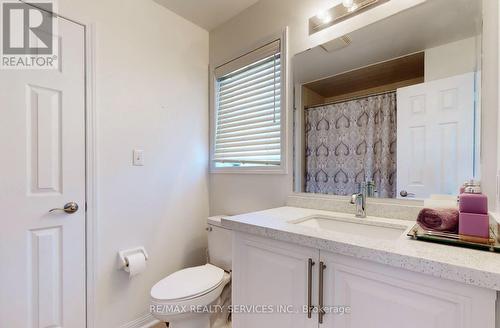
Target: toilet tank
(219, 244)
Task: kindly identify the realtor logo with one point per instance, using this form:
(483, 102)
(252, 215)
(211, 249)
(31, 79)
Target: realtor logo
(28, 31)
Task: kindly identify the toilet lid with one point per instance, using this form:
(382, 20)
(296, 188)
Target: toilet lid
(188, 283)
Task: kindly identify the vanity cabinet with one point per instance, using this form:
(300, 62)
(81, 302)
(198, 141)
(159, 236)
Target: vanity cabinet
(268, 272)
(267, 275)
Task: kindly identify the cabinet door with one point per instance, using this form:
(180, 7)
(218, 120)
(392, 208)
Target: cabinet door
(272, 277)
(384, 297)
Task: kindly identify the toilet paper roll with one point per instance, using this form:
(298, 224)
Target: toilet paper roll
(136, 264)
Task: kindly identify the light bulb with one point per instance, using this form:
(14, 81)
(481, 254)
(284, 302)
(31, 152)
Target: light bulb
(324, 17)
(348, 3)
(352, 8)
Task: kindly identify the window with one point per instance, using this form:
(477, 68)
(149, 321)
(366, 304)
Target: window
(248, 111)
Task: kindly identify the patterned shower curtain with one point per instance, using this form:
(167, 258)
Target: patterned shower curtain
(352, 142)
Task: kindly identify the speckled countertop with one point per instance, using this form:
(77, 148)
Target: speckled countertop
(479, 268)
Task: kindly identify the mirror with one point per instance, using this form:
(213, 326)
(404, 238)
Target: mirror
(394, 105)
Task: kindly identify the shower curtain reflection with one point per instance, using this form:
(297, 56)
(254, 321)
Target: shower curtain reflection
(352, 142)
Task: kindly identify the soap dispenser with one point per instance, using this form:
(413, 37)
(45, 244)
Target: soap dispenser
(472, 200)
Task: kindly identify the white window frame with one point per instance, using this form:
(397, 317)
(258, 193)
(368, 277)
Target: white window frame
(271, 169)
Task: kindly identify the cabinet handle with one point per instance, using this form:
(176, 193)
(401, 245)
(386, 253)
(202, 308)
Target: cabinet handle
(321, 310)
(310, 307)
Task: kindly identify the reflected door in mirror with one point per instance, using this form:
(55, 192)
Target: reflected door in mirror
(436, 136)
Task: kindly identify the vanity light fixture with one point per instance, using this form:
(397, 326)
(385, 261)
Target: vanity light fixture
(342, 11)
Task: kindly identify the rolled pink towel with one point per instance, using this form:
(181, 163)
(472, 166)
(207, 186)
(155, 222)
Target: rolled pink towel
(443, 219)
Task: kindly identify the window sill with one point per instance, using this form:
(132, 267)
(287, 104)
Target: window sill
(249, 170)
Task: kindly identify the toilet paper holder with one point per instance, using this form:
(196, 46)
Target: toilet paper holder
(126, 252)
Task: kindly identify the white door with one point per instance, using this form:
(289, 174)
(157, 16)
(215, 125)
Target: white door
(379, 296)
(435, 132)
(42, 138)
(275, 275)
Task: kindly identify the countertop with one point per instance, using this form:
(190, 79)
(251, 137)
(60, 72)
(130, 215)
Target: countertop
(474, 267)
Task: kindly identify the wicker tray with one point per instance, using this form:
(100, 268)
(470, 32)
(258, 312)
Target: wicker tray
(487, 244)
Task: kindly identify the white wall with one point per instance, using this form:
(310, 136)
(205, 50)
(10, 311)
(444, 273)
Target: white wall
(497, 201)
(490, 100)
(451, 59)
(151, 93)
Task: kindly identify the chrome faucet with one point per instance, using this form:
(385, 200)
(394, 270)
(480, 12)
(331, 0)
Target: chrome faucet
(359, 200)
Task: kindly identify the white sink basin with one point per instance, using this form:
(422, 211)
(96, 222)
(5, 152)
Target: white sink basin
(360, 227)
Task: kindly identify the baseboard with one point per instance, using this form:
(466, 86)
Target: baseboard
(146, 321)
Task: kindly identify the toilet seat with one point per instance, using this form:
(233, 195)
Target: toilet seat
(177, 298)
(188, 283)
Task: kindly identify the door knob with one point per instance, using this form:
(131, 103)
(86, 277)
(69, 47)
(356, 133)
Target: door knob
(69, 208)
(404, 193)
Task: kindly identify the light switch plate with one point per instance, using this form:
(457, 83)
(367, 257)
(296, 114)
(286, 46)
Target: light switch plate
(138, 157)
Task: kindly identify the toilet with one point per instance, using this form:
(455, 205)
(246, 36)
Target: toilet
(180, 298)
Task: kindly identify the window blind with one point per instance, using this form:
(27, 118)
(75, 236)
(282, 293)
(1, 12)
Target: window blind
(248, 110)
